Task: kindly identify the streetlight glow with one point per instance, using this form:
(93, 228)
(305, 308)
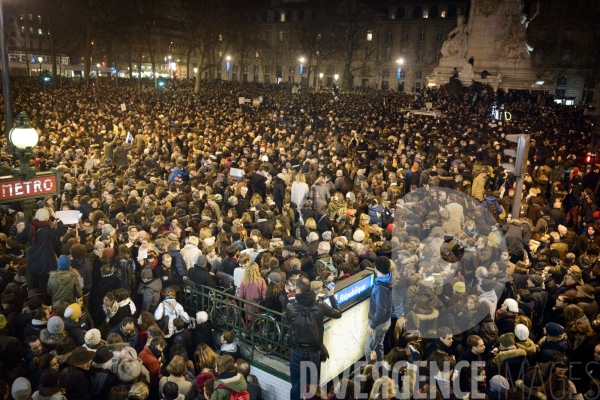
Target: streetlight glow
(321, 75)
(23, 136)
(400, 61)
(228, 58)
(301, 59)
(98, 65)
(336, 76)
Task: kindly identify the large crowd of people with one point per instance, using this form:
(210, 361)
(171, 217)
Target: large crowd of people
(305, 189)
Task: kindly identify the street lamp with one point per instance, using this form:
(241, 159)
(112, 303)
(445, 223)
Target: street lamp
(301, 59)
(228, 66)
(335, 77)
(40, 59)
(23, 137)
(321, 79)
(400, 61)
(97, 70)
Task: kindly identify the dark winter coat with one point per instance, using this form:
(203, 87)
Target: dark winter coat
(551, 346)
(41, 257)
(76, 384)
(201, 276)
(279, 192)
(318, 309)
(74, 330)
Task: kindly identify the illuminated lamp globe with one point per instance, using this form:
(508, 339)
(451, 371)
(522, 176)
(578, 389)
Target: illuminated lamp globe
(23, 135)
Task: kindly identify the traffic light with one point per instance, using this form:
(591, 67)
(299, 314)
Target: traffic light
(520, 154)
(519, 167)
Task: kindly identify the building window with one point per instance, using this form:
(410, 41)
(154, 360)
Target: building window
(220, 38)
(569, 33)
(388, 53)
(439, 35)
(268, 37)
(461, 10)
(282, 17)
(40, 31)
(422, 35)
(561, 81)
(280, 36)
(31, 30)
(31, 17)
(420, 55)
(22, 16)
(425, 13)
(405, 35)
(443, 14)
(401, 73)
(369, 36)
(22, 29)
(367, 54)
(388, 36)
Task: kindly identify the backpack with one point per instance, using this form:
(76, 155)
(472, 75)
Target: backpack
(163, 323)
(243, 395)
(325, 264)
(306, 331)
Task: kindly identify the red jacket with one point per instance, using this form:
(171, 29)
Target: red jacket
(152, 365)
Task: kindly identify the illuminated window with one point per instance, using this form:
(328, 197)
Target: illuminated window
(39, 31)
(280, 35)
(22, 29)
(443, 14)
(282, 17)
(31, 17)
(426, 13)
(369, 36)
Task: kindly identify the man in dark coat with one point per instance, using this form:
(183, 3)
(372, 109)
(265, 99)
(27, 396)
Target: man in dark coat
(101, 379)
(128, 331)
(279, 191)
(41, 257)
(76, 379)
(182, 336)
(200, 275)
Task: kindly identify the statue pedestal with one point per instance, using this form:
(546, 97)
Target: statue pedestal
(497, 41)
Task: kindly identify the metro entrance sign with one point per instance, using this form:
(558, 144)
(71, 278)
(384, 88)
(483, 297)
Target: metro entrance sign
(42, 184)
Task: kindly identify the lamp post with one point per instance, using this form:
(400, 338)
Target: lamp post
(301, 59)
(170, 70)
(335, 77)
(40, 60)
(23, 137)
(228, 66)
(321, 79)
(400, 62)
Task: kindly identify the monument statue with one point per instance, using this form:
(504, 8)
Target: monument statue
(514, 38)
(457, 44)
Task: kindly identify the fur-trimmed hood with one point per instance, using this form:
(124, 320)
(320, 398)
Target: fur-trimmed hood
(528, 346)
(508, 354)
(50, 339)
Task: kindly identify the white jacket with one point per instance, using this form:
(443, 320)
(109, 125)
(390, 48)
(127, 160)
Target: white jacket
(190, 254)
(172, 309)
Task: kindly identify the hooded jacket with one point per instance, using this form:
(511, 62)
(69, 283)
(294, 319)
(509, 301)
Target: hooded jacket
(151, 294)
(64, 285)
(234, 382)
(380, 307)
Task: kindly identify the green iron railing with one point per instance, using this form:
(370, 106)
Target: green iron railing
(262, 329)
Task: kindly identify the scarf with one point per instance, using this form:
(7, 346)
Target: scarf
(337, 208)
(35, 226)
(111, 310)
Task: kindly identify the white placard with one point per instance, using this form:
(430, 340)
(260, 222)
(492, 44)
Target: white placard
(123, 107)
(68, 217)
(236, 173)
(242, 100)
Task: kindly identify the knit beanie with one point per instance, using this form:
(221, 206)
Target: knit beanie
(554, 329)
(562, 230)
(512, 305)
(146, 273)
(382, 264)
(73, 311)
(55, 325)
(507, 340)
(521, 332)
(21, 389)
(358, 236)
(499, 384)
(536, 280)
(64, 263)
(92, 337)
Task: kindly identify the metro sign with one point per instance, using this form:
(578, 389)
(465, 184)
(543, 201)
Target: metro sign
(38, 186)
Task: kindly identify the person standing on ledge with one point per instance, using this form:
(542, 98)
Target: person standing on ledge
(41, 257)
(305, 317)
(380, 309)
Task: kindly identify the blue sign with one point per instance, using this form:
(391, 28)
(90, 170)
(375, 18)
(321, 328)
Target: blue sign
(228, 66)
(353, 291)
